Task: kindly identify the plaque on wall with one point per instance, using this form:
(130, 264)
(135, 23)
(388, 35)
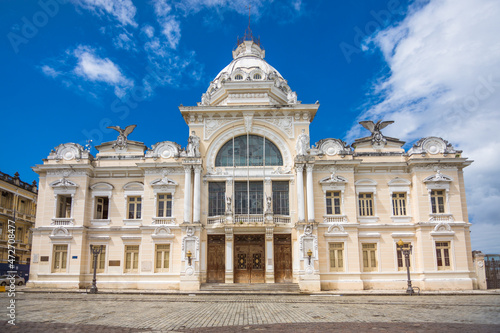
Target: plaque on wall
(114, 263)
(44, 258)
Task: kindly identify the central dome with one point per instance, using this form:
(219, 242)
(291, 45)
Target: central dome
(248, 80)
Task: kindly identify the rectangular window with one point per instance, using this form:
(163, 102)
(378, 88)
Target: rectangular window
(337, 257)
(280, 198)
(333, 203)
(365, 204)
(399, 204)
(20, 234)
(443, 255)
(60, 258)
(249, 198)
(437, 201)
(131, 258)
(101, 260)
(162, 257)
(216, 198)
(369, 257)
(401, 257)
(64, 206)
(134, 208)
(164, 202)
(101, 208)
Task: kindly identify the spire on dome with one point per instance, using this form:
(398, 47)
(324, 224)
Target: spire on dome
(248, 32)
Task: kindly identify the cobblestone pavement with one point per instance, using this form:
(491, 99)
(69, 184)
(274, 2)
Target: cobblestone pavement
(74, 312)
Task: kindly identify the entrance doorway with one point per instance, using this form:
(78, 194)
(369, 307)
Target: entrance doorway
(249, 256)
(216, 268)
(283, 259)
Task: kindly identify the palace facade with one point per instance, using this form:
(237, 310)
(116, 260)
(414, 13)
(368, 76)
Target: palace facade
(249, 200)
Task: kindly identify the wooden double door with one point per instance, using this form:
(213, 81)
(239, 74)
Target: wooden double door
(283, 259)
(249, 259)
(216, 263)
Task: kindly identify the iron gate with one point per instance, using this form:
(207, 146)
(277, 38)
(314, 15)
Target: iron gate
(492, 268)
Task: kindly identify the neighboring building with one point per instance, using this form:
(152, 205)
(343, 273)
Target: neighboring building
(18, 205)
(250, 201)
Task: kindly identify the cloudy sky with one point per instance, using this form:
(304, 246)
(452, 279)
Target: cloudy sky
(70, 68)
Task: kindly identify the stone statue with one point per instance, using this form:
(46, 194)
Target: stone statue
(121, 141)
(377, 136)
(228, 204)
(193, 147)
(269, 204)
(302, 145)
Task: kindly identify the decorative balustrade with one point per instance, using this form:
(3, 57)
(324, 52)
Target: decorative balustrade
(62, 221)
(281, 219)
(163, 220)
(441, 218)
(335, 219)
(216, 219)
(249, 218)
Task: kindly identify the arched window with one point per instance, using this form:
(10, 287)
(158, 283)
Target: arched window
(238, 77)
(249, 150)
(257, 76)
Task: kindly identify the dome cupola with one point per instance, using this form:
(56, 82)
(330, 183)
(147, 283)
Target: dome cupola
(248, 80)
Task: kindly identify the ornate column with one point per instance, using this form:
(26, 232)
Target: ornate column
(310, 193)
(300, 191)
(269, 255)
(187, 193)
(197, 193)
(229, 274)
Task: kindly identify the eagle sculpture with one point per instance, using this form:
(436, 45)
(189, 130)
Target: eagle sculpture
(374, 128)
(121, 141)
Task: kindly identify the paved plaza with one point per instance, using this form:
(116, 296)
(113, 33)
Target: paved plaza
(79, 312)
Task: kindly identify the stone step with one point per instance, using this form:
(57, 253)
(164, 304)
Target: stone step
(268, 287)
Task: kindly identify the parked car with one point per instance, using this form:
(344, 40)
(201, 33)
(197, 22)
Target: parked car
(5, 280)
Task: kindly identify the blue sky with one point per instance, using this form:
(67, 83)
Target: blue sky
(70, 68)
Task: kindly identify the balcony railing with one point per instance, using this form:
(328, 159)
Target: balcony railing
(216, 219)
(335, 219)
(281, 219)
(249, 218)
(62, 221)
(163, 220)
(441, 218)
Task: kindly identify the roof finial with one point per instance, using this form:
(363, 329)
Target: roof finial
(248, 32)
(249, 13)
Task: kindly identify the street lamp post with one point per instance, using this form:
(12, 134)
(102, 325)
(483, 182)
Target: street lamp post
(95, 252)
(406, 252)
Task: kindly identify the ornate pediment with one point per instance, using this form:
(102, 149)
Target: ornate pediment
(60, 233)
(332, 147)
(165, 149)
(68, 151)
(438, 178)
(162, 232)
(432, 145)
(333, 179)
(64, 183)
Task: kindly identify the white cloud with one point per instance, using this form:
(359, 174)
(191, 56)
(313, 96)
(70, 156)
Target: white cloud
(83, 69)
(49, 71)
(122, 10)
(124, 41)
(444, 80)
(168, 21)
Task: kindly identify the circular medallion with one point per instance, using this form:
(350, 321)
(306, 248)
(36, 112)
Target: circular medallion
(189, 271)
(309, 270)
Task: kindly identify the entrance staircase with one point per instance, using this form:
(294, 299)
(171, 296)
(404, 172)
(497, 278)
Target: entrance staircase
(251, 288)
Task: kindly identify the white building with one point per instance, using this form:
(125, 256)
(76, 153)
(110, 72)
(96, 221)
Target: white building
(252, 202)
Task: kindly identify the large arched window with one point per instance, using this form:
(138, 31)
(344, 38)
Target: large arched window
(251, 150)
